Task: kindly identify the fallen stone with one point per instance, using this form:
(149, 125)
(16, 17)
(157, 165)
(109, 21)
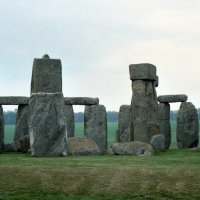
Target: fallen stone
(1, 129)
(25, 143)
(95, 125)
(47, 124)
(11, 147)
(82, 146)
(133, 148)
(81, 101)
(158, 142)
(172, 98)
(144, 71)
(187, 130)
(14, 100)
(70, 120)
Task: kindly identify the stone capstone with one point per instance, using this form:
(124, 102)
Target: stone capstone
(22, 126)
(164, 122)
(25, 143)
(95, 125)
(46, 75)
(158, 142)
(14, 100)
(81, 101)
(142, 71)
(70, 120)
(11, 147)
(82, 146)
(47, 124)
(132, 148)
(123, 123)
(187, 130)
(172, 98)
(1, 129)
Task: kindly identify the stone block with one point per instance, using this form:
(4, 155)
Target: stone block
(14, 100)
(47, 124)
(187, 130)
(25, 143)
(70, 120)
(95, 125)
(81, 101)
(46, 75)
(158, 142)
(11, 147)
(142, 71)
(1, 129)
(157, 81)
(172, 98)
(163, 111)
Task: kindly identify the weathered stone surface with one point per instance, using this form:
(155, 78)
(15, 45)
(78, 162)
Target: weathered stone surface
(47, 124)
(70, 121)
(164, 122)
(110, 151)
(144, 71)
(81, 101)
(156, 81)
(22, 126)
(133, 148)
(11, 147)
(172, 98)
(123, 123)
(187, 130)
(82, 146)
(25, 143)
(95, 125)
(46, 75)
(117, 137)
(143, 117)
(158, 142)
(14, 100)
(1, 129)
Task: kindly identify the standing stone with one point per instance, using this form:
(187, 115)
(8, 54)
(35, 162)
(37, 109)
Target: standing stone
(22, 127)
(70, 120)
(47, 124)
(187, 131)
(46, 75)
(1, 129)
(123, 123)
(143, 117)
(95, 125)
(164, 122)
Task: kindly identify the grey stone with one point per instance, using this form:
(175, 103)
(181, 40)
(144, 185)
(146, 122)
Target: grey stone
(14, 100)
(110, 151)
(158, 142)
(117, 137)
(143, 117)
(163, 111)
(11, 147)
(157, 81)
(123, 123)
(25, 143)
(172, 98)
(187, 130)
(95, 125)
(144, 71)
(47, 124)
(82, 146)
(45, 56)
(1, 129)
(29, 151)
(22, 126)
(81, 101)
(46, 75)
(133, 148)
(70, 121)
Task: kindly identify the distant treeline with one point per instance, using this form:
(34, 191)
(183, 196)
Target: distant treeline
(10, 116)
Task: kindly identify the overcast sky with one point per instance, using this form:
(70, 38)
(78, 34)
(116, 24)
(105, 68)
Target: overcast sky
(96, 41)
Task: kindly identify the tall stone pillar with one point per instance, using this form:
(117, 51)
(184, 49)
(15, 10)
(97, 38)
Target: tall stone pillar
(1, 129)
(164, 122)
(187, 130)
(143, 117)
(95, 125)
(70, 120)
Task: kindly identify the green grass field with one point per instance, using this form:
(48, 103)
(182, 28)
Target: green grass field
(79, 131)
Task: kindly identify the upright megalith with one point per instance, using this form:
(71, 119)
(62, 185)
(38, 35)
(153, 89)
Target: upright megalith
(187, 126)
(1, 129)
(123, 123)
(47, 124)
(143, 116)
(164, 122)
(46, 75)
(95, 125)
(70, 120)
(22, 126)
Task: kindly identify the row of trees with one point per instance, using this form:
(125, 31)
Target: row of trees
(10, 116)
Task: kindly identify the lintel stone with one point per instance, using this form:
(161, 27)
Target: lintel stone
(14, 100)
(81, 101)
(172, 98)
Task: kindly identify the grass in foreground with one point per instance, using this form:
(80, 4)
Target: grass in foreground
(173, 174)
